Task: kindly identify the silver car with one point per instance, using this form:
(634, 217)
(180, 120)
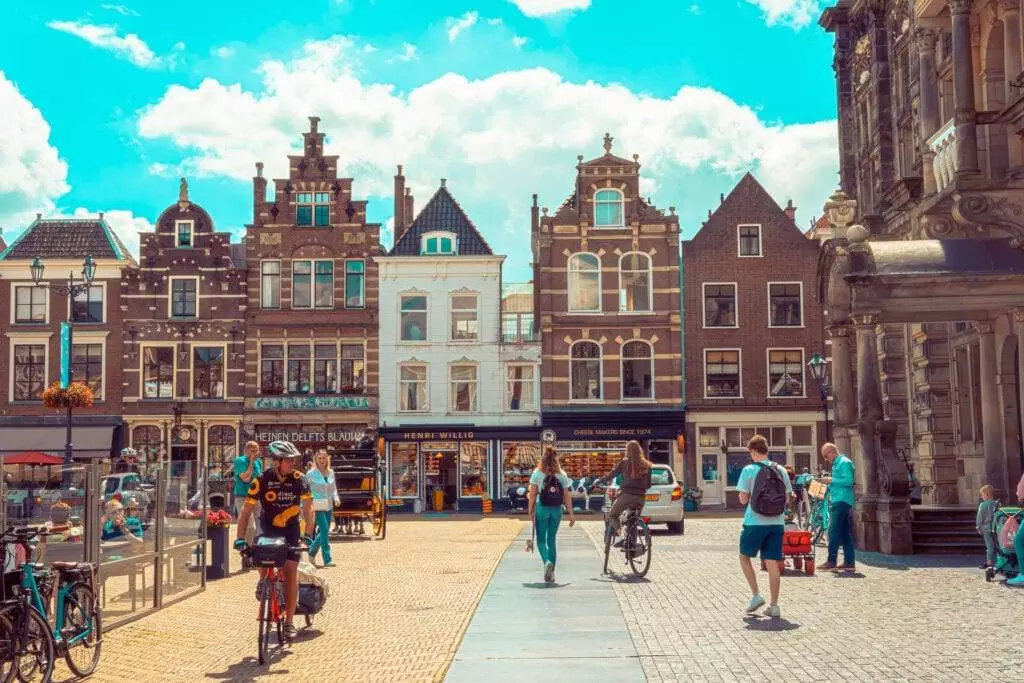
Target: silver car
(664, 500)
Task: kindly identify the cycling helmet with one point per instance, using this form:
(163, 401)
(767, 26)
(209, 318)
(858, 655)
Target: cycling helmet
(279, 450)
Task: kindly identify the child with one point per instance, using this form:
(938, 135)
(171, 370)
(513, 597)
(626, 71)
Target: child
(986, 511)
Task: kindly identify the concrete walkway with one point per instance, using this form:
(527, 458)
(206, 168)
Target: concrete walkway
(524, 630)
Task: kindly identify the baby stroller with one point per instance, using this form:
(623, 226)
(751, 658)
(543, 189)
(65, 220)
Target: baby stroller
(1005, 523)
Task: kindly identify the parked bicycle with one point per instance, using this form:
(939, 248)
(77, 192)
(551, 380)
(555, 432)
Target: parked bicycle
(636, 542)
(27, 642)
(817, 505)
(269, 555)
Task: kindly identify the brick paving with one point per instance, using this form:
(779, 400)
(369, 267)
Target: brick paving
(898, 619)
(397, 611)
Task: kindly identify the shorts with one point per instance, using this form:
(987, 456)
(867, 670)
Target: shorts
(290, 533)
(763, 538)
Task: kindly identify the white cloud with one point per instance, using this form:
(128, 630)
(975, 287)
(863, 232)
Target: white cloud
(795, 13)
(495, 22)
(463, 23)
(407, 54)
(542, 8)
(518, 41)
(130, 46)
(224, 52)
(121, 9)
(497, 139)
(125, 223)
(694, 8)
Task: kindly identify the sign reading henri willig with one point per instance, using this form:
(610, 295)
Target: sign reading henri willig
(312, 403)
(437, 436)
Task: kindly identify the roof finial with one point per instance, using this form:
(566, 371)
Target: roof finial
(313, 121)
(608, 143)
(183, 194)
(444, 181)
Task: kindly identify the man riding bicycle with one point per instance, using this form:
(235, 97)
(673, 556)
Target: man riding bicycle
(284, 496)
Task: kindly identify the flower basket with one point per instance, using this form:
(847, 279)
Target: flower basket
(218, 518)
(77, 395)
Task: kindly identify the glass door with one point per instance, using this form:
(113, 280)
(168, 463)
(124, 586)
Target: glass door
(711, 479)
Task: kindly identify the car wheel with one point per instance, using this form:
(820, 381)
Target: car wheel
(675, 527)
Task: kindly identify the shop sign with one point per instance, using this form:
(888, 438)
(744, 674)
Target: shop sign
(439, 446)
(437, 436)
(266, 435)
(613, 432)
(312, 403)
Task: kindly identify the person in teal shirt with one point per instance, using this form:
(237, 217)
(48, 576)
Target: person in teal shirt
(840, 493)
(547, 498)
(247, 468)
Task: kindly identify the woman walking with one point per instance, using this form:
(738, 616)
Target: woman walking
(549, 492)
(325, 497)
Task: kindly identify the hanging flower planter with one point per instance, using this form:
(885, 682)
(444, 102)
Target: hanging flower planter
(78, 395)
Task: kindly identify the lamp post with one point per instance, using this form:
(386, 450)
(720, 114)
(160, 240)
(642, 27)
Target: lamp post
(68, 290)
(818, 366)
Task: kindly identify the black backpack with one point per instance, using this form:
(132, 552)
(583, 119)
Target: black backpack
(551, 493)
(769, 495)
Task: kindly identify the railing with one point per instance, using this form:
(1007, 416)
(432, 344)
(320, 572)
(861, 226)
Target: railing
(943, 145)
(521, 337)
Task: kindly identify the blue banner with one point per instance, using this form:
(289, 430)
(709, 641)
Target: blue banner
(65, 355)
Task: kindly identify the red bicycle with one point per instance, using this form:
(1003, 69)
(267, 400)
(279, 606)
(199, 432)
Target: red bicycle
(269, 555)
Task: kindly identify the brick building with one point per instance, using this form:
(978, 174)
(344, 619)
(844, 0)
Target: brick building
(311, 342)
(752, 324)
(184, 342)
(30, 317)
(606, 282)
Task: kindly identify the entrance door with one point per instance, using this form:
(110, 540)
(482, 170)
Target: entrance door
(711, 479)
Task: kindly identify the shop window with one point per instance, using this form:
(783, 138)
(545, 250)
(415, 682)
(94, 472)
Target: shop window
(313, 209)
(802, 436)
(87, 367)
(778, 457)
(412, 388)
(722, 373)
(147, 441)
(801, 462)
(222, 448)
(776, 436)
(719, 304)
(271, 369)
(585, 371)
(298, 369)
(660, 452)
(608, 208)
(464, 318)
(519, 459)
(786, 373)
(734, 464)
(208, 372)
(707, 437)
(521, 387)
(463, 394)
(785, 308)
(746, 434)
(749, 240)
(635, 283)
(473, 468)
(637, 370)
(405, 470)
(183, 235)
(325, 368)
(158, 372)
(355, 284)
(270, 284)
(87, 305)
(30, 303)
(709, 467)
(413, 321)
(29, 371)
(184, 292)
(353, 368)
(584, 274)
(734, 438)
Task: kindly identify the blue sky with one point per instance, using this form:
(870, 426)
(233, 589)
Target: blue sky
(110, 103)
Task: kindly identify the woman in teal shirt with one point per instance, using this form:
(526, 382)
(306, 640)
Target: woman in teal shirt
(545, 512)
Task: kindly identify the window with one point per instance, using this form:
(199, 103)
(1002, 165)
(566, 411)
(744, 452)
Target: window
(324, 285)
(29, 371)
(271, 369)
(517, 327)
(308, 292)
(734, 464)
(801, 462)
(223, 449)
(707, 437)
(662, 476)
(637, 370)
(313, 209)
(30, 304)
(158, 372)
(585, 371)
(353, 368)
(412, 388)
(722, 373)
(298, 369)
(325, 368)
(183, 235)
(719, 304)
(208, 372)
(438, 244)
(183, 297)
(777, 457)
(473, 468)
(355, 284)
(584, 283)
(801, 436)
(608, 209)
(146, 439)
(521, 387)
(464, 317)
(413, 317)
(463, 395)
(405, 470)
(87, 366)
(635, 283)
(87, 306)
(785, 373)
(749, 240)
(785, 308)
(270, 284)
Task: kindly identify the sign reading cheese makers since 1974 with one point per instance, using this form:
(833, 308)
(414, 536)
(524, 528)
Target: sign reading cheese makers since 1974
(312, 403)
(612, 432)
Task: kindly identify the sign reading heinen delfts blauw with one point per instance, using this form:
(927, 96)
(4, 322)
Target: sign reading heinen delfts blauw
(312, 403)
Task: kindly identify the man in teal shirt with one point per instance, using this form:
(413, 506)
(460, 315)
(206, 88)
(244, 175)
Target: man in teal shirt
(840, 493)
(248, 467)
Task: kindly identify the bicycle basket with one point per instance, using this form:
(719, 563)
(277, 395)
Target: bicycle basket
(817, 490)
(311, 599)
(270, 552)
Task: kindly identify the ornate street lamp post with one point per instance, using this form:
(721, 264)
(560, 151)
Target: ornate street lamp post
(819, 367)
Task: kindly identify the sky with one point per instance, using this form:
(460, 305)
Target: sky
(104, 105)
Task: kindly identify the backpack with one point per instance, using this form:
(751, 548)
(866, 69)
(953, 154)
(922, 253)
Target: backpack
(769, 495)
(551, 493)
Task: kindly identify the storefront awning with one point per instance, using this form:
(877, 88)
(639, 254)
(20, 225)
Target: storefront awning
(89, 442)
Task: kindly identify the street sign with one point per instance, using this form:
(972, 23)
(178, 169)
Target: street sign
(65, 355)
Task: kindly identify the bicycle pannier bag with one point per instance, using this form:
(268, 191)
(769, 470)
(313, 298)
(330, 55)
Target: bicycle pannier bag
(552, 493)
(311, 599)
(270, 552)
(769, 495)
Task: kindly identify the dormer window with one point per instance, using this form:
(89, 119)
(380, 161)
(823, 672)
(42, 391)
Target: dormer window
(313, 209)
(438, 244)
(183, 235)
(608, 209)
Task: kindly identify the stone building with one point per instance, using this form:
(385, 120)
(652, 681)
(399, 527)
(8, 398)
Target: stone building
(752, 324)
(184, 343)
(311, 338)
(606, 282)
(922, 296)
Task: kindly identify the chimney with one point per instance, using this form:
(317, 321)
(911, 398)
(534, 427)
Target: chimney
(534, 215)
(790, 211)
(399, 204)
(259, 192)
(409, 212)
(314, 121)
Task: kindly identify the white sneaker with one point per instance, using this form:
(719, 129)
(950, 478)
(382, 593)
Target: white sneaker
(773, 611)
(756, 603)
(549, 573)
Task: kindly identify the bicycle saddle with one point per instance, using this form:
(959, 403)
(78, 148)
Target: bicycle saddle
(70, 565)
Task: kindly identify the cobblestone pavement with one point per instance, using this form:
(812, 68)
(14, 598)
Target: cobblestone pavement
(897, 619)
(397, 611)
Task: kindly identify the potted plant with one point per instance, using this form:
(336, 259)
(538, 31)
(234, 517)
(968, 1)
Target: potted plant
(691, 499)
(218, 525)
(77, 395)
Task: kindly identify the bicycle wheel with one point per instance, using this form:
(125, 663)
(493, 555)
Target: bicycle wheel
(34, 650)
(607, 545)
(82, 621)
(7, 648)
(263, 637)
(638, 547)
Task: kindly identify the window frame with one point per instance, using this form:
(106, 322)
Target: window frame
(102, 286)
(704, 363)
(87, 339)
(803, 322)
(170, 297)
(622, 372)
(313, 205)
(735, 305)
(142, 371)
(263, 276)
(16, 341)
(223, 373)
(509, 381)
(621, 201)
(439, 235)
(475, 397)
(451, 317)
(283, 360)
(288, 345)
(569, 282)
(43, 289)
(317, 361)
(426, 317)
(356, 390)
(600, 372)
(191, 234)
(768, 372)
(739, 240)
(650, 283)
(362, 283)
(313, 263)
(402, 386)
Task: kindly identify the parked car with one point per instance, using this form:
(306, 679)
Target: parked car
(129, 485)
(664, 504)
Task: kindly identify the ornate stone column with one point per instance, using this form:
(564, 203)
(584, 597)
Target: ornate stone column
(963, 87)
(1012, 66)
(929, 107)
(991, 412)
(869, 400)
(844, 401)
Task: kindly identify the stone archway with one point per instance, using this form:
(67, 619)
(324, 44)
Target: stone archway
(1009, 380)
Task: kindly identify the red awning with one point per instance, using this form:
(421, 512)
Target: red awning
(32, 458)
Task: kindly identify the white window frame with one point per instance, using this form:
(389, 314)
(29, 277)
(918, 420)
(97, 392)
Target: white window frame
(622, 373)
(170, 297)
(192, 369)
(600, 375)
(650, 283)
(803, 323)
(451, 317)
(426, 331)
(704, 363)
(174, 370)
(426, 387)
(191, 234)
(568, 283)
(475, 403)
(280, 278)
(312, 283)
(94, 337)
(438, 234)
(621, 201)
(535, 404)
(20, 339)
(735, 303)
(43, 287)
(313, 204)
(768, 372)
(760, 240)
(103, 318)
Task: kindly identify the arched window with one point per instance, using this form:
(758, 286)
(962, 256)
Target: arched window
(584, 283)
(146, 440)
(585, 371)
(635, 282)
(608, 209)
(222, 447)
(637, 370)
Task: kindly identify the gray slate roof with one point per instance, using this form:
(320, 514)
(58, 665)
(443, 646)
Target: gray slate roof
(443, 213)
(63, 238)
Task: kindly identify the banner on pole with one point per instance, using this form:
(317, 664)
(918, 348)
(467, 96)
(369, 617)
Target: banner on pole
(65, 355)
